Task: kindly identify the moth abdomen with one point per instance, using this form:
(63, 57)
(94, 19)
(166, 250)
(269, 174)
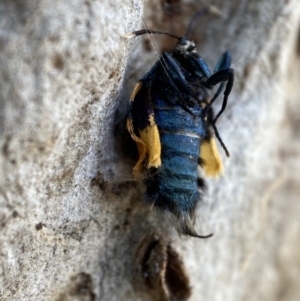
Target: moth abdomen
(174, 187)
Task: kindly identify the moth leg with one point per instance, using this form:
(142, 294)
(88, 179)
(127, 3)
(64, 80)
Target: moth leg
(220, 76)
(222, 73)
(217, 94)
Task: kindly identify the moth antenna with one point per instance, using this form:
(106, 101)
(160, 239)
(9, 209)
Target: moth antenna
(204, 11)
(149, 31)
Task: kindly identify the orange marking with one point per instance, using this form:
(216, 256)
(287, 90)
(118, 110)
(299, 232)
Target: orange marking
(150, 137)
(135, 91)
(213, 165)
(148, 144)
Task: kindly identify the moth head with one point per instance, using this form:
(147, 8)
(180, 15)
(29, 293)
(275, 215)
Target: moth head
(184, 45)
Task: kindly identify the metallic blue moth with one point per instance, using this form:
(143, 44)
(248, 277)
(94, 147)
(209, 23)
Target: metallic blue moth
(171, 120)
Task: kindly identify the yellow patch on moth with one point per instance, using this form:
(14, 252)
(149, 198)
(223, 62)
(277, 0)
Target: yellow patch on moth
(148, 144)
(140, 146)
(135, 91)
(212, 163)
(150, 137)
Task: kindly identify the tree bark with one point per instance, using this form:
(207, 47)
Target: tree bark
(73, 224)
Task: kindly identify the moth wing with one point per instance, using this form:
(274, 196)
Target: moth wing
(142, 127)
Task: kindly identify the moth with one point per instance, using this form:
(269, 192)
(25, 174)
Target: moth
(171, 120)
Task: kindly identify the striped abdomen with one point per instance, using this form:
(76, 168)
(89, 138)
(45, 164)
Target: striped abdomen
(174, 186)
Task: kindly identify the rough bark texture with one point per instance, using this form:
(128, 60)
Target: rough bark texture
(73, 225)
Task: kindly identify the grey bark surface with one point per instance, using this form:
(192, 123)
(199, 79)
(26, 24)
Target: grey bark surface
(73, 225)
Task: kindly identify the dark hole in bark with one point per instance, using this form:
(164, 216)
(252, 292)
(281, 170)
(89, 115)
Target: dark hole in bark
(176, 278)
(162, 270)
